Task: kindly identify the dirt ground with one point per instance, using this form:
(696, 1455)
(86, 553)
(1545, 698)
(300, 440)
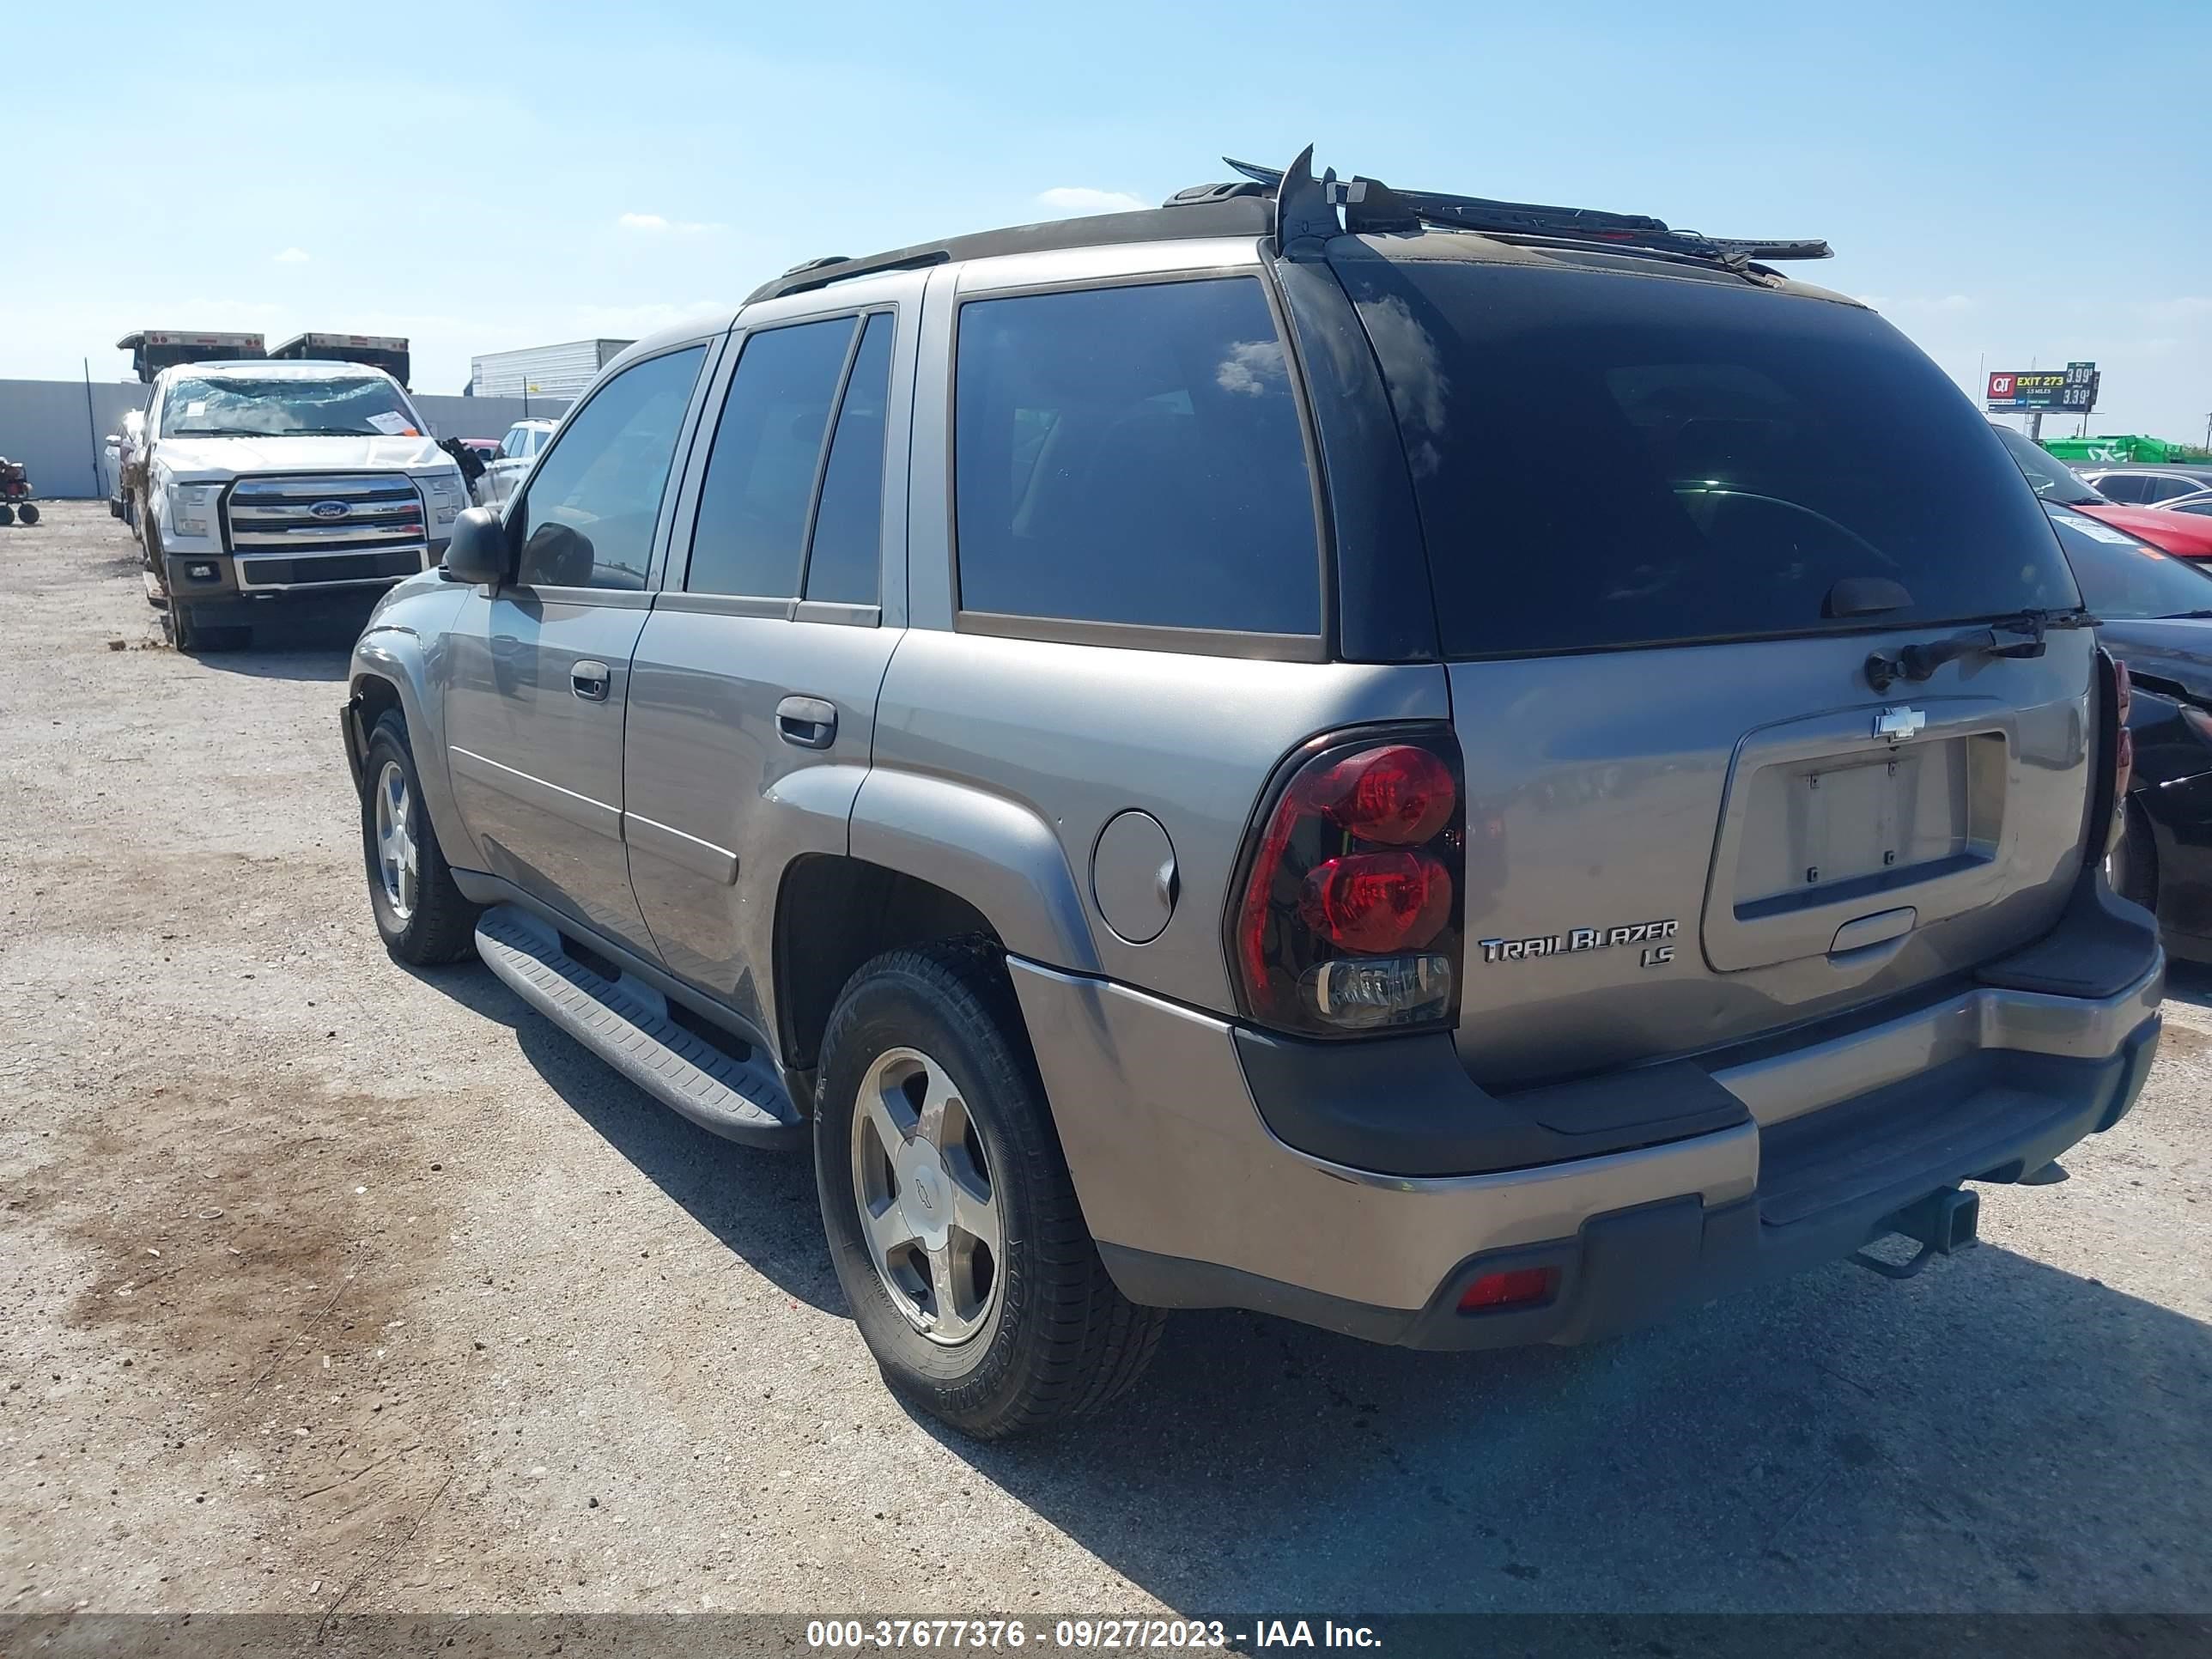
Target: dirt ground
(324, 1284)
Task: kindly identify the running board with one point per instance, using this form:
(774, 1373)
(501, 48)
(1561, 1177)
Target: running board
(627, 1024)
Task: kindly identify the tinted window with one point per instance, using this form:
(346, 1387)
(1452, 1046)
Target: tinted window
(1133, 455)
(751, 527)
(2164, 487)
(2194, 504)
(2123, 580)
(2130, 487)
(845, 556)
(587, 518)
(1754, 448)
(2050, 477)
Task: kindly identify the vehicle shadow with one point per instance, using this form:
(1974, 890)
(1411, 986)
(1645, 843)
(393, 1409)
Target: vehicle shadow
(2189, 982)
(760, 1205)
(320, 650)
(1994, 1436)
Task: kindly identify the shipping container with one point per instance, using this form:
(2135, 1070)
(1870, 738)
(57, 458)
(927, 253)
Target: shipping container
(153, 349)
(384, 351)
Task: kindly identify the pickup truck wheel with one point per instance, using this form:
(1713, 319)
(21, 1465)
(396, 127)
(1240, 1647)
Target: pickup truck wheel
(952, 1220)
(420, 912)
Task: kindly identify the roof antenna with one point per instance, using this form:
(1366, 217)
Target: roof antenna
(1305, 217)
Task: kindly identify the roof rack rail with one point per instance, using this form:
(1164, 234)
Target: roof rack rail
(1298, 213)
(1368, 204)
(1212, 210)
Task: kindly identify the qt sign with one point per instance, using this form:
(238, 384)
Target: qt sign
(2075, 389)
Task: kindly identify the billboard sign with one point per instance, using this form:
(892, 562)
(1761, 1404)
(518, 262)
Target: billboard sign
(2073, 389)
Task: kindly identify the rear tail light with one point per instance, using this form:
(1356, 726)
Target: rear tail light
(2113, 674)
(1348, 918)
(2123, 751)
(1515, 1289)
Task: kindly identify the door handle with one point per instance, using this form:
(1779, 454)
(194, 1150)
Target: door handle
(589, 680)
(806, 722)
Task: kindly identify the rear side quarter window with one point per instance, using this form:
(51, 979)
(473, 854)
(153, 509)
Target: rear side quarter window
(1132, 456)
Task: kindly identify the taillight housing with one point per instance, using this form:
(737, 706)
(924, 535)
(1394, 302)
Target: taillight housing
(2120, 689)
(2123, 751)
(1347, 919)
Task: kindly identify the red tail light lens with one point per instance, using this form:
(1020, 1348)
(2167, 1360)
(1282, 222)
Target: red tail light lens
(1400, 795)
(1348, 918)
(1377, 903)
(1516, 1288)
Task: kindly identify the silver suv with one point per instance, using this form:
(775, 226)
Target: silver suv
(1465, 774)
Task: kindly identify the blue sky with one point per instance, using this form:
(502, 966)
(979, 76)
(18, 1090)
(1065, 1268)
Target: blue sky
(482, 176)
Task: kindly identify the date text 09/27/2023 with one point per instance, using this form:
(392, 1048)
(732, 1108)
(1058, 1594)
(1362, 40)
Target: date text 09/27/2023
(898, 1634)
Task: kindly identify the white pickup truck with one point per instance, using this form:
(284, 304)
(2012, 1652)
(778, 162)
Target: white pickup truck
(276, 489)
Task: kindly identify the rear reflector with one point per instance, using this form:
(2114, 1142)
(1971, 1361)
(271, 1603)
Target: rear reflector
(1515, 1289)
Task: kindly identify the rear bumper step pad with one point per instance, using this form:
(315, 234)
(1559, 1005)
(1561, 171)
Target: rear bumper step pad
(627, 1025)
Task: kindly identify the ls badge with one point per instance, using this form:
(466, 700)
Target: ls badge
(1651, 935)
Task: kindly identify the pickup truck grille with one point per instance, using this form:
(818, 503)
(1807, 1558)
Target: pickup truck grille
(368, 513)
(307, 571)
(288, 533)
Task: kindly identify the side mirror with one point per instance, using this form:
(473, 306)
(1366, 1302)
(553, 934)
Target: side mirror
(478, 553)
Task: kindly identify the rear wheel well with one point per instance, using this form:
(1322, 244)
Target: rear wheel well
(836, 914)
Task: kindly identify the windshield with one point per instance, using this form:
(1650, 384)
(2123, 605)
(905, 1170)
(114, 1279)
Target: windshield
(2123, 580)
(1604, 460)
(2051, 478)
(234, 407)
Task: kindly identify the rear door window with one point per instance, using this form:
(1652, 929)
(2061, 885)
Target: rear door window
(1605, 461)
(1133, 455)
(843, 559)
(2129, 488)
(750, 534)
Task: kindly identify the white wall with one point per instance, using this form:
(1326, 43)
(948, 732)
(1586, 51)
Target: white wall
(58, 428)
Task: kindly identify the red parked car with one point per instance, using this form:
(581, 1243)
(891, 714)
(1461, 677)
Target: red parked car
(2186, 535)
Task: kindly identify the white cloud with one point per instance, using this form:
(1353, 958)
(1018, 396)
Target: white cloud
(1081, 199)
(657, 225)
(292, 256)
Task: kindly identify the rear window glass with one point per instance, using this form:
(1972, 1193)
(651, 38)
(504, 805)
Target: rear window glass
(1611, 460)
(1133, 455)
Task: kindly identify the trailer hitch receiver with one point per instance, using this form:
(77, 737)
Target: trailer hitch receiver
(1943, 1224)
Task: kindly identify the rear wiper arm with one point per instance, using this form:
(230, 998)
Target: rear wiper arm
(1917, 662)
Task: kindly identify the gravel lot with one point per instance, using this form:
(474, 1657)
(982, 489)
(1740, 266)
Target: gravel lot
(327, 1283)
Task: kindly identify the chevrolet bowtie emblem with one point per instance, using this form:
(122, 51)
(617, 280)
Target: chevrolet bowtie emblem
(1899, 723)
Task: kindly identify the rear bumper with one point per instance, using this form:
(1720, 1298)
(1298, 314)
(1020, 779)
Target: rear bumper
(1782, 1160)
